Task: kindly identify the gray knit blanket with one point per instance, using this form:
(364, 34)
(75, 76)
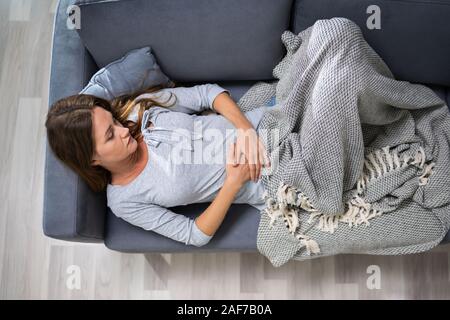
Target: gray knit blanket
(360, 160)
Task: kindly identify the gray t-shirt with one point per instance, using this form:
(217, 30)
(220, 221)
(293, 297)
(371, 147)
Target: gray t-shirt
(179, 170)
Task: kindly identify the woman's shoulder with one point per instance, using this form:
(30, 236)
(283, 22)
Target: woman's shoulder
(119, 203)
(114, 196)
(127, 207)
(164, 95)
(133, 116)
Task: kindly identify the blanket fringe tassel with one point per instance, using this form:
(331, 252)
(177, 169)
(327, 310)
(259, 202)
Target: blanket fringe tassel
(289, 199)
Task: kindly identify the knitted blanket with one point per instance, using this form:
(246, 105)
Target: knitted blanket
(360, 160)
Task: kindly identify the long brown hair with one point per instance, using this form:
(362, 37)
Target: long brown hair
(70, 133)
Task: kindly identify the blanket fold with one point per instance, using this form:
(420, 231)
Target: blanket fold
(348, 143)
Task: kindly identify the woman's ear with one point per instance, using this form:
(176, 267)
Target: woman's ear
(95, 162)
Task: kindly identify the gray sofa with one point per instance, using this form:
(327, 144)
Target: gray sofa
(234, 43)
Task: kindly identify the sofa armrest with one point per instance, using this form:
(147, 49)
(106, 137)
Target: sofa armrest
(72, 211)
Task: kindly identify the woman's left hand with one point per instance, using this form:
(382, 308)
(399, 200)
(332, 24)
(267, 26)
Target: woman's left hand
(249, 147)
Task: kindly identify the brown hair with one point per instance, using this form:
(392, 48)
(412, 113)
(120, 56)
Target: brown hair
(70, 133)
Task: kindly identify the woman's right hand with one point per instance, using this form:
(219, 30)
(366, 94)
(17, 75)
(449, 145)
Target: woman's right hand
(237, 173)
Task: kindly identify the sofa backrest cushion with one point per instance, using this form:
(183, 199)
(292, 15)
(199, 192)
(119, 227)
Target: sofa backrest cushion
(413, 39)
(192, 40)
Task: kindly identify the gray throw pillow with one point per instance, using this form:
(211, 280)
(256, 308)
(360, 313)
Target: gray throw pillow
(134, 71)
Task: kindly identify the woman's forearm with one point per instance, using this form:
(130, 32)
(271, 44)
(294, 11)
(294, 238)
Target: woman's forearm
(211, 219)
(225, 105)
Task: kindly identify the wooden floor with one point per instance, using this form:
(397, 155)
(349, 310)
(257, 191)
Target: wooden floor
(33, 266)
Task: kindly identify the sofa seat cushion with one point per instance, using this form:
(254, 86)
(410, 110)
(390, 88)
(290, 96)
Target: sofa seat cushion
(237, 232)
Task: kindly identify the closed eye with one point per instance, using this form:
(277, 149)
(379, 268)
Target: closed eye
(112, 134)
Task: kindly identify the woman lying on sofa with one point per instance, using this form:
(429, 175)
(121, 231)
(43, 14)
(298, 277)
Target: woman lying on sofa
(130, 147)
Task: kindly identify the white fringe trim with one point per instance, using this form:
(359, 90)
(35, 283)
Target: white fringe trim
(289, 199)
(281, 208)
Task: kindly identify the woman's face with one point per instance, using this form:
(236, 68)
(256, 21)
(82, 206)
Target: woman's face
(113, 142)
